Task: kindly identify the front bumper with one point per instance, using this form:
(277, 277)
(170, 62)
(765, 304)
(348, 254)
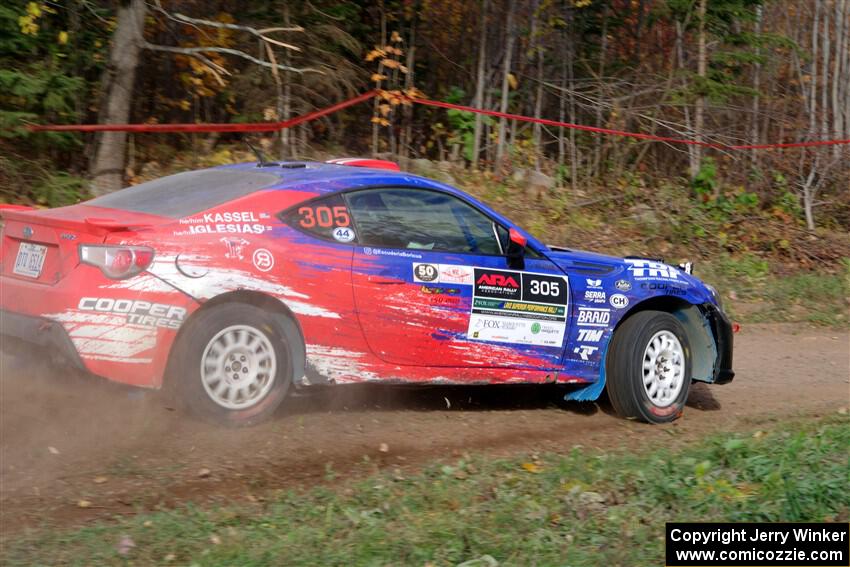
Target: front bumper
(40, 332)
(721, 328)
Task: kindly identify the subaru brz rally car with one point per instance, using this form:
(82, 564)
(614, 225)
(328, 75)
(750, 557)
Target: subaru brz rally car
(237, 283)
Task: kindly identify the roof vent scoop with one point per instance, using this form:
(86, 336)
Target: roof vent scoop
(366, 162)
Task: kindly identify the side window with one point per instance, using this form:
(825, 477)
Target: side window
(326, 218)
(421, 219)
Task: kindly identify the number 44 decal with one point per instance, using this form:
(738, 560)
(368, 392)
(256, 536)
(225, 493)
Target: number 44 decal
(342, 234)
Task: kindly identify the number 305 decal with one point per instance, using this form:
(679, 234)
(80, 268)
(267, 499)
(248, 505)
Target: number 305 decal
(324, 217)
(538, 287)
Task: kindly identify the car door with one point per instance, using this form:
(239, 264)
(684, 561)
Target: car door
(432, 286)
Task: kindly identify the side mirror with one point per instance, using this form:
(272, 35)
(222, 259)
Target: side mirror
(516, 250)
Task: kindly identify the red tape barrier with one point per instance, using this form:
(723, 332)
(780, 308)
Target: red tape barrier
(229, 127)
(274, 126)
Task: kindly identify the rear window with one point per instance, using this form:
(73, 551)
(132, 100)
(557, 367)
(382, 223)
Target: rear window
(186, 193)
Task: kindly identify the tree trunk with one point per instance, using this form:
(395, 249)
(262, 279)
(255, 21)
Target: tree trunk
(813, 106)
(562, 116)
(824, 93)
(754, 124)
(838, 72)
(285, 98)
(108, 166)
(603, 52)
(571, 54)
(407, 112)
(506, 71)
(537, 57)
(693, 164)
(699, 110)
(479, 84)
(377, 101)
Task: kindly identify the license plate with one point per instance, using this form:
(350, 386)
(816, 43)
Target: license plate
(30, 259)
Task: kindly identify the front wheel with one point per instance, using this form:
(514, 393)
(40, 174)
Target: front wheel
(235, 365)
(649, 367)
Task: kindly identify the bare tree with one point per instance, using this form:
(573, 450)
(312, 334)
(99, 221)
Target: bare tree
(510, 33)
(124, 56)
(479, 83)
(120, 75)
(699, 107)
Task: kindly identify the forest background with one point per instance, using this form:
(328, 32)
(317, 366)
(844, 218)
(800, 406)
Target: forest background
(770, 227)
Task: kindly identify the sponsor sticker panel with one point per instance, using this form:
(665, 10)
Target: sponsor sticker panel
(650, 269)
(516, 330)
(442, 273)
(138, 312)
(231, 222)
(519, 307)
(593, 317)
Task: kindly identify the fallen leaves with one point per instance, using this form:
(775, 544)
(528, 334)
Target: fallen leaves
(531, 467)
(125, 545)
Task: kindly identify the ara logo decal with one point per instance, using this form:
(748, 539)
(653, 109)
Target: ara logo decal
(497, 284)
(497, 280)
(585, 351)
(623, 285)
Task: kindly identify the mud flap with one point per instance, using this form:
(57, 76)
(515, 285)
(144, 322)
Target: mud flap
(591, 392)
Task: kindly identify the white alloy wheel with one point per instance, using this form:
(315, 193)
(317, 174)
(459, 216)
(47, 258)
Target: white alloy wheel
(663, 368)
(238, 367)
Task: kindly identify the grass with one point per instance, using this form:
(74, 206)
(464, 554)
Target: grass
(752, 293)
(579, 508)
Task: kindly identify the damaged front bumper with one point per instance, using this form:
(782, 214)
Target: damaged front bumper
(721, 328)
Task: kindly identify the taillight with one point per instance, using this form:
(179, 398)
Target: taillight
(117, 262)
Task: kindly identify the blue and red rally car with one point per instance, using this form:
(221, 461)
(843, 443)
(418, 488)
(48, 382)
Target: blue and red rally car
(238, 283)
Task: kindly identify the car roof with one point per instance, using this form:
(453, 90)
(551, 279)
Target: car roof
(326, 178)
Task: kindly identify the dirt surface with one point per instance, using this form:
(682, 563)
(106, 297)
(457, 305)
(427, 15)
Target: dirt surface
(76, 448)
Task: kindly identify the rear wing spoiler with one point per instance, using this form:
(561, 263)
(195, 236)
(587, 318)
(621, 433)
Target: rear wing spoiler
(94, 225)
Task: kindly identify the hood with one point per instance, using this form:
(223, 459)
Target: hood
(638, 275)
(590, 263)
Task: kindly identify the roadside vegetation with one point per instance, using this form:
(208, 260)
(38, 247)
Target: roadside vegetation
(581, 507)
(769, 228)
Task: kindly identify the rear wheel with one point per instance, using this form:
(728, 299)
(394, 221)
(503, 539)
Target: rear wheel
(649, 367)
(236, 364)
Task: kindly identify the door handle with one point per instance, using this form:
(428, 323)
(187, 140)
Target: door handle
(381, 280)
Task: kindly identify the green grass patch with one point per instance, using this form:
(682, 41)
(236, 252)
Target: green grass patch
(753, 294)
(580, 508)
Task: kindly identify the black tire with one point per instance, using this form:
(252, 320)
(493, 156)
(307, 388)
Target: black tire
(208, 330)
(625, 372)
